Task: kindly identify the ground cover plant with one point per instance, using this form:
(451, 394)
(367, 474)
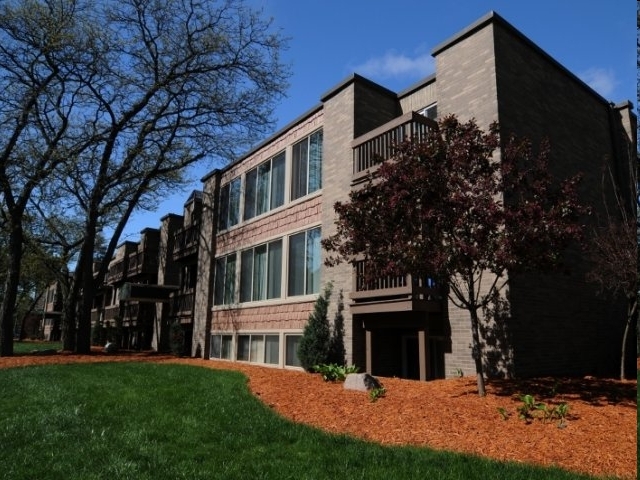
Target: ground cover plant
(148, 420)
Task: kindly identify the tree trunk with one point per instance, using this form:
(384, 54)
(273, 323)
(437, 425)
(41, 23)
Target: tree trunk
(631, 312)
(477, 351)
(70, 310)
(8, 307)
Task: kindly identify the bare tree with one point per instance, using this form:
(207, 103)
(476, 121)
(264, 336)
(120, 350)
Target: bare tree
(34, 119)
(154, 87)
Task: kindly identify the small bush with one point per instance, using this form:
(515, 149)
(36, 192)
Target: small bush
(314, 344)
(176, 339)
(376, 393)
(333, 372)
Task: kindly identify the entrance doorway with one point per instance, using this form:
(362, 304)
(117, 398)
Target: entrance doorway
(410, 357)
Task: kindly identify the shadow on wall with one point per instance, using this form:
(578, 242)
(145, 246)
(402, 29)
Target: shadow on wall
(496, 342)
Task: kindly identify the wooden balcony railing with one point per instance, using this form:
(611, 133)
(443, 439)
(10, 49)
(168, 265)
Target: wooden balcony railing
(378, 145)
(117, 271)
(186, 241)
(142, 263)
(183, 303)
(402, 292)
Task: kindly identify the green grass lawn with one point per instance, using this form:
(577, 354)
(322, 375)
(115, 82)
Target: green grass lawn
(28, 347)
(153, 421)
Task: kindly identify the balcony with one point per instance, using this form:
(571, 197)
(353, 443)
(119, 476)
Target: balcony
(142, 263)
(186, 242)
(183, 304)
(117, 271)
(378, 145)
(394, 293)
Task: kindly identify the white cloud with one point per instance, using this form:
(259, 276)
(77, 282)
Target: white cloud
(601, 80)
(392, 64)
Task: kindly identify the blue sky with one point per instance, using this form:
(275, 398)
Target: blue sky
(390, 43)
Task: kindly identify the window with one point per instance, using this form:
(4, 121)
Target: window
(430, 112)
(306, 173)
(259, 348)
(291, 355)
(261, 272)
(244, 343)
(229, 213)
(304, 263)
(224, 286)
(221, 346)
(264, 187)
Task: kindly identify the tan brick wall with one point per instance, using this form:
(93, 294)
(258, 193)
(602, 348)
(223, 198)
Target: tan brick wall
(282, 316)
(302, 214)
(419, 99)
(466, 78)
(276, 145)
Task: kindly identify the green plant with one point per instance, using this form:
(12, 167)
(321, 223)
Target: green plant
(176, 338)
(503, 413)
(376, 393)
(314, 344)
(529, 405)
(337, 352)
(559, 412)
(332, 372)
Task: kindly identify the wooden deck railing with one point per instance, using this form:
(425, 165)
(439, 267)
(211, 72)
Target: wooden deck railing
(183, 303)
(378, 145)
(117, 271)
(142, 263)
(390, 286)
(186, 241)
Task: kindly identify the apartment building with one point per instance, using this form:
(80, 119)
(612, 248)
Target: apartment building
(126, 319)
(50, 327)
(178, 270)
(260, 264)
(246, 262)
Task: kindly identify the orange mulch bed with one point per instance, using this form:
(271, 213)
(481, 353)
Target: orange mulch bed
(599, 437)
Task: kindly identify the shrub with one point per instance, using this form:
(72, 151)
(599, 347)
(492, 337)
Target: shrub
(333, 372)
(337, 351)
(314, 344)
(176, 339)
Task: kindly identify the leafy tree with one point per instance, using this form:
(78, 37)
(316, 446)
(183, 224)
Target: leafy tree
(103, 123)
(448, 208)
(315, 342)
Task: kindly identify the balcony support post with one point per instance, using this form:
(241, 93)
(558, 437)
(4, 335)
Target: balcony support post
(368, 352)
(422, 354)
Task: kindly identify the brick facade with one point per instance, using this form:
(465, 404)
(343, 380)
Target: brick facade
(490, 72)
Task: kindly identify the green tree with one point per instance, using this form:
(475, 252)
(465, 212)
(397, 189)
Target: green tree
(315, 342)
(337, 353)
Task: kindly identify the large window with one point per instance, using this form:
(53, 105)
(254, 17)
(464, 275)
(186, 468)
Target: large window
(225, 281)
(221, 346)
(229, 213)
(292, 342)
(304, 263)
(259, 348)
(261, 272)
(264, 187)
(306, 166)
